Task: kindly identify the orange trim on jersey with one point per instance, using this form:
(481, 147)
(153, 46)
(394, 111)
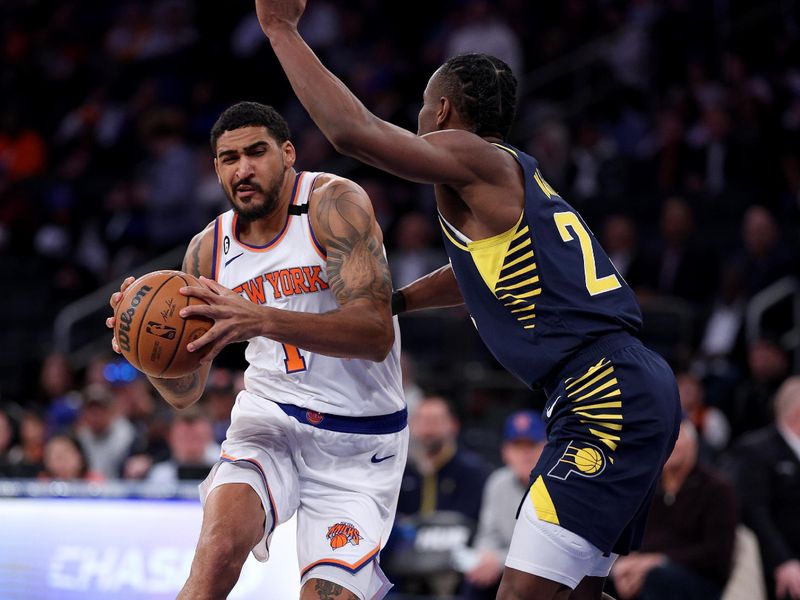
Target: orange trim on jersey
(281, 235)
(342, 564)
(217, 248)
(254, 462)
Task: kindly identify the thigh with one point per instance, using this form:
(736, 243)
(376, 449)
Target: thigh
(614, 428)
(349, 485)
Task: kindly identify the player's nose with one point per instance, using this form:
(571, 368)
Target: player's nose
(246, 169)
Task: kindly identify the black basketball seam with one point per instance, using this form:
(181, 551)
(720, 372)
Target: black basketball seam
(144, 312)
(179, 337)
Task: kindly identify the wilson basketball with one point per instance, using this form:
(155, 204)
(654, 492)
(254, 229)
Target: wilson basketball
(149, 329)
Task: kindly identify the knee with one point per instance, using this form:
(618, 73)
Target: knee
(222, 552)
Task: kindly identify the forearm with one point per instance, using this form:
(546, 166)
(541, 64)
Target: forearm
(438, 289)
(357, 330)
(331, 105)
(182, 392)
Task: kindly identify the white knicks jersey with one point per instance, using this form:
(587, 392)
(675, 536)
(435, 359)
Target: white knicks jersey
(290, 273)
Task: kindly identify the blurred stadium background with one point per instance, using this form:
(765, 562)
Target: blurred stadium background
(673, 126)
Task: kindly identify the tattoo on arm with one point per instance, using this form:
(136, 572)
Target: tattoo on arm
(180, 386)
(357, 267)
(191, 262)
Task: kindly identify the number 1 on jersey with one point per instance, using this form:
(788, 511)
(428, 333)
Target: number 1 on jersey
(294, 361)
(594, 284)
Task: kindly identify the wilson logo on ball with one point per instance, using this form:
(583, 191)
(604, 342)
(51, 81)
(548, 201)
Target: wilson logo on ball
(126, 318)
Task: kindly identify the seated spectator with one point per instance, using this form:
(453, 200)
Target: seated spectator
(767, 467)
(25, 459)
(709, 421)
(64, 460)
(687, 549)
(193, 450)
(219, 398)
(7, 442)
(440, 475)
(524, 438)
(105, 436)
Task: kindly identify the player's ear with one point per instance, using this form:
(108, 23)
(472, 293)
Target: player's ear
(289, 155)
(216, 169)
(443, 112)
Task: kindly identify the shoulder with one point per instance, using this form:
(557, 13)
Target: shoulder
(328, 188)
(340, 208)
(482, 157)
(199, 254)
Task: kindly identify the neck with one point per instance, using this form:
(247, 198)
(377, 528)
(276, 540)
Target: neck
(262, 231)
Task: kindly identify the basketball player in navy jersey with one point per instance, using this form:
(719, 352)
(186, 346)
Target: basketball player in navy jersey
(543, 295)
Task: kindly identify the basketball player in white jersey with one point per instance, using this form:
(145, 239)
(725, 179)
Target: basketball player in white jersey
(297, 268)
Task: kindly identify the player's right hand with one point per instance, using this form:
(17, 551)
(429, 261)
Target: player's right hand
(114, 302)
(277, 13)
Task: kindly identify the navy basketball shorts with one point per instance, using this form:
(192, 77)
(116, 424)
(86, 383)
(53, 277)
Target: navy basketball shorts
(612, 417)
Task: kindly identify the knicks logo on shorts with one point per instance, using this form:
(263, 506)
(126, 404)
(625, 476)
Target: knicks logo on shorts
(343, 533)
(581, 458)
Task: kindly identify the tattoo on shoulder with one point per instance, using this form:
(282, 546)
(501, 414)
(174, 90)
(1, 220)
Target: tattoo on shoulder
(357, 267)
(191, 262)
(180, 386)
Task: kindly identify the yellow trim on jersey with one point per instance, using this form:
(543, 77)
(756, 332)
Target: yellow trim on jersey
(453, 240)
(542, 502)
(489, 254)
(509, 150)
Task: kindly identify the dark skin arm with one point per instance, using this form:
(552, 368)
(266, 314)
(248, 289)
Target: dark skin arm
(180, 392)
(438, 289)
(342, 217)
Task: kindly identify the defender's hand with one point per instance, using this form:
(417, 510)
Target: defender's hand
(235, 319)
(114, 302)
(279, 13)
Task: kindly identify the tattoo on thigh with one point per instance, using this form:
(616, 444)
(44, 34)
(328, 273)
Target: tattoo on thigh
(327, 590)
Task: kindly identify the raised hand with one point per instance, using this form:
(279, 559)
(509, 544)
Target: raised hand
(279, 13)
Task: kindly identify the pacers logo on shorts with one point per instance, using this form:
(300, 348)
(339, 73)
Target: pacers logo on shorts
(581, 458)
(343, 533)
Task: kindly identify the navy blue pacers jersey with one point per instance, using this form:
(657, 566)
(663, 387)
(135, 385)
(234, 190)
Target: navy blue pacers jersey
(543, 290)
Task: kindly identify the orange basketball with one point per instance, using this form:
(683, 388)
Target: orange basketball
(149, 329)
(338, 540)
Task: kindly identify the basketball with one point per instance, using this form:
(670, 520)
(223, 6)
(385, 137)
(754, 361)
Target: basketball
(150, 332)
(338, 540)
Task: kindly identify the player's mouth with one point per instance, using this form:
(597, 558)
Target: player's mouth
(246, 191)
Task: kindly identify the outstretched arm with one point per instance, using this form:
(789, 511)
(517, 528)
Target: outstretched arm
(353, 130)
(358, 276)
(435, 290)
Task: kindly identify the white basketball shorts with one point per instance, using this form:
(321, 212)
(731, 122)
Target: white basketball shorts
(341, 475)
(552, 552)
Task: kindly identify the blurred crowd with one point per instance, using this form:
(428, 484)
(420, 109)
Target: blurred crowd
(674, 127)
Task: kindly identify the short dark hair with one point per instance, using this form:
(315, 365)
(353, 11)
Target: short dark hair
(483, 90)
(250, 114)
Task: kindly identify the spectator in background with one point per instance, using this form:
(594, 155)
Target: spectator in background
(440, 475)
(23, 153)
(678, 264)
(220, 396)
(750, 407)
(59, 397)
(709, 421)
(64, 460)
(687, 550)
(193, 450)
(416, 255)
(7, 441)
(106, 436)
(767, 467)
(619, 242)
(25, 459)
(762, 259)
(524, 438)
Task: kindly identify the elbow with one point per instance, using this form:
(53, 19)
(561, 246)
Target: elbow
(183, 402)
(343, 141)
(382, 346)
